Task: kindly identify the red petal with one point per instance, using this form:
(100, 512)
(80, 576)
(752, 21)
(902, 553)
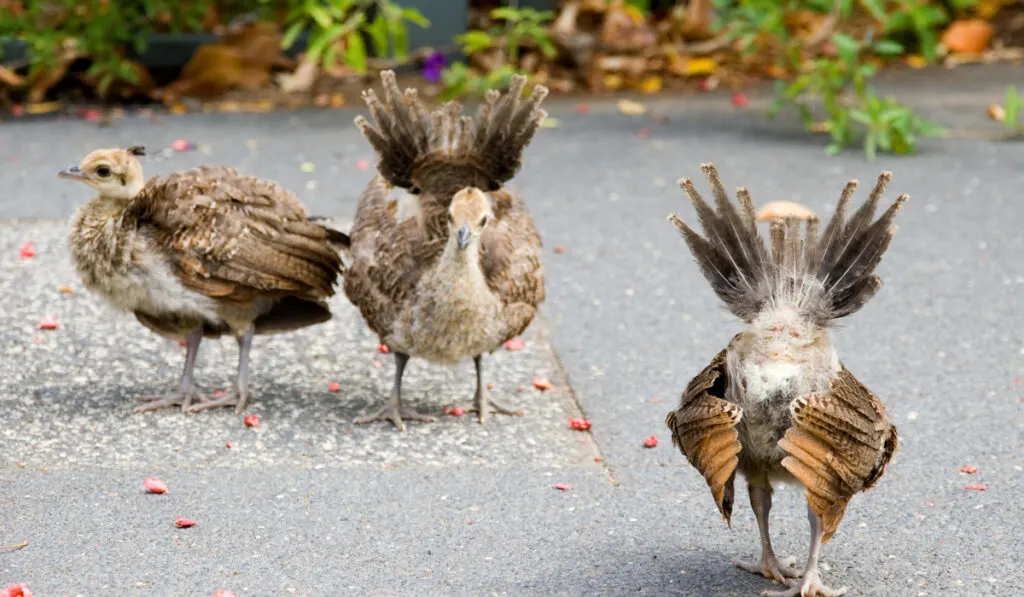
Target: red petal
(651, 442)
(454, 411)
(542, 383)
(27, 250)
(739, 100)
(184, 523)
(251, 421)
(334, 387)
(362, 164)
(17, 109)
(976, 487)
(559, 249)
(515, 344)
(218, 393)
(223, 593)
(154, 485)
(16, 590)
(643, 133)
(582, 108)
(48, 323)
(180, 145)
(579, 424)
(563, 487)
(970, 469)
(383, 349)
(91, 114)
(229, 444)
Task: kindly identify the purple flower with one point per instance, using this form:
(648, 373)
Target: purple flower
(432, 67)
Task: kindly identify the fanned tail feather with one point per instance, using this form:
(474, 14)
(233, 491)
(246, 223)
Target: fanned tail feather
(417, 147)
(826, 277)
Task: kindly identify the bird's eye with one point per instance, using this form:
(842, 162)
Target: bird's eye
(483, 221)
(103, 171)
(414, 191)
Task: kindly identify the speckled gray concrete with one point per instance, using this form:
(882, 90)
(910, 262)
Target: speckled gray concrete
(313, 505)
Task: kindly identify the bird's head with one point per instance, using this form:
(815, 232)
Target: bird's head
(468, 216)
(113, 173)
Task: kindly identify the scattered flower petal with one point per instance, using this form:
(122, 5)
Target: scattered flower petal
(549, 123)
(967, 36)
(308, 166)
(229, 444)
(643, 133)
(783, 209)
(579, 424)
(184, 523)
(223, 593)
(27, 251)
(154, 485)
(66, 290)
(180, 145)
(582, 108)
(542, 383)
(996, 112)
(334, 387)
(970, 469)
(383, 349)
(563, 486)
(16, 589)
(219, 392)
(559, 249)
(91, 114)
(700, 66)
(433, 67)
(48, 323)
(515, 344)
(651, 442)
(454, 411)
(362, 164)
(976, 487)
(740, 100)
(17, 110)
(631, 108)
(251, 421)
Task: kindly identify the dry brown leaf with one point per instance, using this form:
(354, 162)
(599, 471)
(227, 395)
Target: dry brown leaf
(700, 66)
(967, 36)
(10, 78)
(996, 112)
(302, 79)
(631, 108)
(242, 58)
(43, 107)
(783, 209)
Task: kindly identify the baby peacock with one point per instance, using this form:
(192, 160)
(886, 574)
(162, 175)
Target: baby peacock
(451, 268)
(201, 253)
(777, 404)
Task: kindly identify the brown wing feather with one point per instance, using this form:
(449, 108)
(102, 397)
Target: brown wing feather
(510, 257)
(704, 429)
(388, 255)
(236, 237)
(839, 444)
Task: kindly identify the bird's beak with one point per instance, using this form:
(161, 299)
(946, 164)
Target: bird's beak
(463, 235)
(73, 173)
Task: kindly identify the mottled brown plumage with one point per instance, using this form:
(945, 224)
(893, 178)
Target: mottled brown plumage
(446, 264)
(777, 404)
(204, 252)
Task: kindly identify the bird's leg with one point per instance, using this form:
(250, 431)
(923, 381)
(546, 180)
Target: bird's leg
(239, 396)
(811, 585)
(394, 411)
(770, 566)
(188, 389)
(483, 403)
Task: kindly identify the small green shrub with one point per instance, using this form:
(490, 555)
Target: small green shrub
(842, 83)
(337, 29)
(517, 27)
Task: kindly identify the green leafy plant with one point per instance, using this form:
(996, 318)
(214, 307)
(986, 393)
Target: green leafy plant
(338, 30)
(1009, 114)
(518, 27)
(840, 81)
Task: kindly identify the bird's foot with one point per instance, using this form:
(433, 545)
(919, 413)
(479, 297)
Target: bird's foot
(398, 415)
(484, 404)
(183, 398)
(236, 398)
(772, 568)
(810, 586)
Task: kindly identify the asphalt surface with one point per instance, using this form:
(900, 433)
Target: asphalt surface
(309, 504)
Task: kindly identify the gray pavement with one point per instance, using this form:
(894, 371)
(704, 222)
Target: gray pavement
(309, 504)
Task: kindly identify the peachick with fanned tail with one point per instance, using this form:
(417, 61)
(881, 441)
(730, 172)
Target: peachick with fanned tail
(777, 405)
(446, 266)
